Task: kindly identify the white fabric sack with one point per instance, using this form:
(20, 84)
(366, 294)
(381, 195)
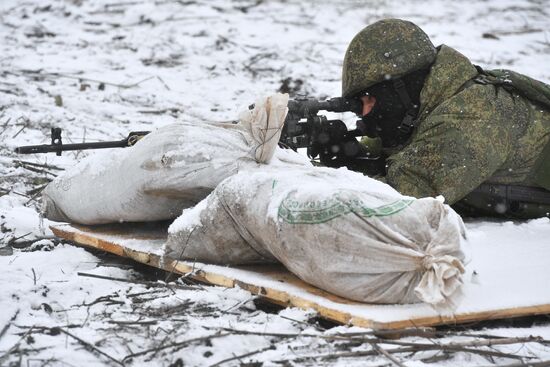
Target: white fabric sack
(172, 168)
(336, 229)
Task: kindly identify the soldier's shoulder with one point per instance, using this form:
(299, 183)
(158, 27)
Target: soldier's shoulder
(477, 103)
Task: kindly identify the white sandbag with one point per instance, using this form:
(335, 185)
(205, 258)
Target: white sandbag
(172, 168)
(336, 229)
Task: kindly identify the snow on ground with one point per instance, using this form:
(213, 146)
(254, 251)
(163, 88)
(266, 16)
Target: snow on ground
(102, 68)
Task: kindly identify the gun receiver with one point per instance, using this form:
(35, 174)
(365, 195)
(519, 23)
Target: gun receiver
(305, 128)
(330, 140)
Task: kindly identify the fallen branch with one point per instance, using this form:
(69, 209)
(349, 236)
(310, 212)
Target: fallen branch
(169, 311)
(388, 355)
(174, 345)
(271, 347)
(90, 346)
(333, 356)
(173, 111)
(107, 299)
(35, 195)
(144, 282)
(19, 132)
(36, 190)
(36, 170)
(41, 329)
(12, 240)
(472, 343)
(39, 165)
(79, 78)
(530, 364)
(25, 244)
(15, 346)
(373, 352)
(5, 126)
(536, 339)
(149, 322)
(7, 326)
(411, 346)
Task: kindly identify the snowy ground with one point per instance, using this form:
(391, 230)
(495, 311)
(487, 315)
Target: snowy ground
(102, 68)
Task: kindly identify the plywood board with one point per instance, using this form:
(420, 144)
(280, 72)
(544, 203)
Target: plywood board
(501, 280)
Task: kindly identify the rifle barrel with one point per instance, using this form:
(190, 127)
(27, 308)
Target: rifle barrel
(47, 148)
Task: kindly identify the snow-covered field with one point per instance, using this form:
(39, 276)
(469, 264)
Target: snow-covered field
(102, 68)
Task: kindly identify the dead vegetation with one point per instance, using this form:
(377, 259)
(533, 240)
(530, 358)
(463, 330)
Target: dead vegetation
(135, 326)
(125, 67)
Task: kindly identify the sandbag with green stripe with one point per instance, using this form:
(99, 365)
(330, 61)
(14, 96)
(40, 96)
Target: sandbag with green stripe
(336, 229)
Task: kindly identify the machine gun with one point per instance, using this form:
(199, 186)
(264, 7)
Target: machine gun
(304, 127)
(330, 140)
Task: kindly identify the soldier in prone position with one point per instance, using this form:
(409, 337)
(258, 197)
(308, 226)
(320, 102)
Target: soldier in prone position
(447, 127)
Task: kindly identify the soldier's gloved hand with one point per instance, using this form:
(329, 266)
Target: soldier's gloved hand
(373, 146)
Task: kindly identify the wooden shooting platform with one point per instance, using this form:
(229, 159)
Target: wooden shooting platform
(503, 280)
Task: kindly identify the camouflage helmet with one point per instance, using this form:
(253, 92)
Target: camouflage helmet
(387, 49)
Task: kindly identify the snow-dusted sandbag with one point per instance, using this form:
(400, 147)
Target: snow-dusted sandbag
(336, 229)
(172, 168)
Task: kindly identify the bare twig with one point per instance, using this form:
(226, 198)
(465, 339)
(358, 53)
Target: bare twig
(127, 3)
(388, 355)
(36, 170)
(35, 195)
(7, 326)
(90, 346)
(168, 311)
(19, 132)
(36, 190)
(372, 352)
(147, 322)
(18, 238)
(175, 345)
(107, 299)
(80, 78)
(333, 356)
(172, 110)
(15, 346)
(24, 244)
(271, 347)
(144, 282)
(471, 343)
(530, 364)
(302, 322)
(18, 193)
(163, 83)
(184, 247)
(40, 165)
(452, 347)
(33, 276)
(499, 341)
(5, 126)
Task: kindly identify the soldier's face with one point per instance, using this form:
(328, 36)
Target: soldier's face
(368, 104)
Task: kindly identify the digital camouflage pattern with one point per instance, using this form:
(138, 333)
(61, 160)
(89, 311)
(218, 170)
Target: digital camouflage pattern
(471, 133)
(384, 50)
(535, 90)
(493, 130)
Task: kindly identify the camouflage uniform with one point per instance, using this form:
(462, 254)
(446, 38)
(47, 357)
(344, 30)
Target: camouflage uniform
(469, 133)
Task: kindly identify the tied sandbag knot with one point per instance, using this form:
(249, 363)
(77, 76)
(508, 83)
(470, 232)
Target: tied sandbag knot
(428, 262)
(265, 123)
(440, 282)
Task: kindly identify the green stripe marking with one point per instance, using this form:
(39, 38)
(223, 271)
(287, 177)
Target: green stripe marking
(321, 211)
